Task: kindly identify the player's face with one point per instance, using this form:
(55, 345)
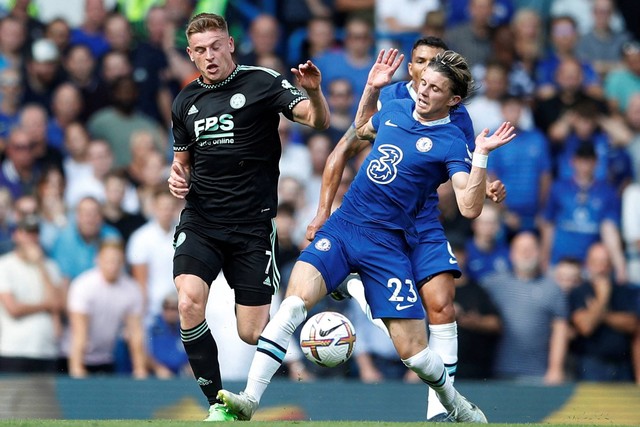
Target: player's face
(211, 53)
(434, 96)
(420, 57)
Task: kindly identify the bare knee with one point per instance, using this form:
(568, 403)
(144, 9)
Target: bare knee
(438, 296)
(192, 299)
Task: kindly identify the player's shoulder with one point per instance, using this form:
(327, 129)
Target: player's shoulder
(257, 72)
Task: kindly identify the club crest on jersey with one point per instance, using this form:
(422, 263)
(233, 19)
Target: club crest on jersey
(323, 245)
(237, 101)
(424, 144)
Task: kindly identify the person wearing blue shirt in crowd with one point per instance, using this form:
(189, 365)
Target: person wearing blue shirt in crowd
(438, 296)
(487, 250)
(416, 149)
(525, 167)
(581, 211)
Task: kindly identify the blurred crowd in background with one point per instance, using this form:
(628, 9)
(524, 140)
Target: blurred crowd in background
(552, 275)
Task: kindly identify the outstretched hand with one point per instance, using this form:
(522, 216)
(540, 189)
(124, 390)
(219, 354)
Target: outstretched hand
(308, 75)
(385, 66)
(503, 135)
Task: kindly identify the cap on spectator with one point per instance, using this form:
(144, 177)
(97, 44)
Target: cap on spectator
(586, 150)
(30, 222)
(44, 50)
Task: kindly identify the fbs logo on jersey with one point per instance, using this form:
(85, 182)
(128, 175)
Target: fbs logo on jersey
(214, 130)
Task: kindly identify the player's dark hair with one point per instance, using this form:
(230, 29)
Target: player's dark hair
(453, 65)
(204, 22)
(431, 41)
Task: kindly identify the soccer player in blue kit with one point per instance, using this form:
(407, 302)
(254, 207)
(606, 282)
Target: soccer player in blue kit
(415, 149)
(434, 264)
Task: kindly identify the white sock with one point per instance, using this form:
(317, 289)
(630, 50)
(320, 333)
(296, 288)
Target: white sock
(356, 290)
(429, 367)
(443, 340)
(272, 345)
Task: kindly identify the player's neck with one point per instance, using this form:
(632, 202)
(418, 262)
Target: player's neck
(436, 119)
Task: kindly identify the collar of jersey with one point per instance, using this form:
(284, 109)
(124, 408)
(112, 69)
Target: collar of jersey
(442, 121)
(411, 90)
(219, 84)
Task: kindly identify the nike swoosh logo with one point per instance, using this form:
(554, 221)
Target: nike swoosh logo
(400, 307)
(453, 261)
(388, 123)
(324, 333)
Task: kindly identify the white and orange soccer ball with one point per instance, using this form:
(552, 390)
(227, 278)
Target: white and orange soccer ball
(328, 339)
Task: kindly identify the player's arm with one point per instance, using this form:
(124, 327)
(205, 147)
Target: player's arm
(348, 147)
(79, 327)
(470, 189)
(180, 175)
(379, 76)
(313, 112)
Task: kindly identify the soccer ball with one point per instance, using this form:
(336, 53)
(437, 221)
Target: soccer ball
(328, 339)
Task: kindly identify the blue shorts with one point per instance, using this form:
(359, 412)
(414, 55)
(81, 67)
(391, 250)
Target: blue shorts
(430, 258)
(378, 255)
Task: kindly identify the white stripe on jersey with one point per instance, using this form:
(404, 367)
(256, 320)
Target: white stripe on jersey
(252, 67)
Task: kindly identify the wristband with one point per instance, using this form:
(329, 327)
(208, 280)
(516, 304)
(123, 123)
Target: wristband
(479, 160)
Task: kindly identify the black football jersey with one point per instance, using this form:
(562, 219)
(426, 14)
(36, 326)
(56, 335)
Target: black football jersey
(231, 132)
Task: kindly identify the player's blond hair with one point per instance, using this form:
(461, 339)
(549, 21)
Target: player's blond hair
(205, 22)
(453, 65)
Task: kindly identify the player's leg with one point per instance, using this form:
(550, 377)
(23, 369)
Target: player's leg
(435, 268)
(306, 288)
(192, 277)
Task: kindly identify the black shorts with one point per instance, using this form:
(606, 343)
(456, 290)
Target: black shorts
(244, 252)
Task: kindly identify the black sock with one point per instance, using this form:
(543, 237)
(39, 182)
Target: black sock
(203, 358)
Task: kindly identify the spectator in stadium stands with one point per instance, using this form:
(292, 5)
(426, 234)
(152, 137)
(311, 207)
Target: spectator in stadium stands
(141, 144)
(341, 100)
(10, 96)
(434, 24)
(567, 274)
(76, 165)
(6, 223)
(472, 39)
(82, 238)
(295, 160)
(264, 37)
(487, 250)
(525, 171)
(583, 123)
(149, 253)
(116, 212)
(564, 37)
(66, 108)
(632, 120)
(52, 208)
(59, 32)
(43, 73)
(551, 113)
(100, 159)
(622, 83)
(102, 302)
(33, 120)
(580, 211)
(32, 300)
(12, 43)
(479, 325)
(80, 69)
(167, 356)
(90, 32)
(534, 313)
(118, 122)
(320, 38)
(353, 61)
(154, 175)
(151, 68)
(605, 317)
(295, 15)
(485, 108)
(631, 229)
(602, 45)
(19, 171)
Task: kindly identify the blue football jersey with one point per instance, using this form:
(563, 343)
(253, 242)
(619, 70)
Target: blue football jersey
(407, 163)
(427, 222)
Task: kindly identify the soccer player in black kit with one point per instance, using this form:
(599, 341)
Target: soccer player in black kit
(226, 155)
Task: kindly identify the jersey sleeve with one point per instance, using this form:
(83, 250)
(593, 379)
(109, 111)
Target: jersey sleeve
(181, 139)
(285, 96)
(459, 159)
(461, 118)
